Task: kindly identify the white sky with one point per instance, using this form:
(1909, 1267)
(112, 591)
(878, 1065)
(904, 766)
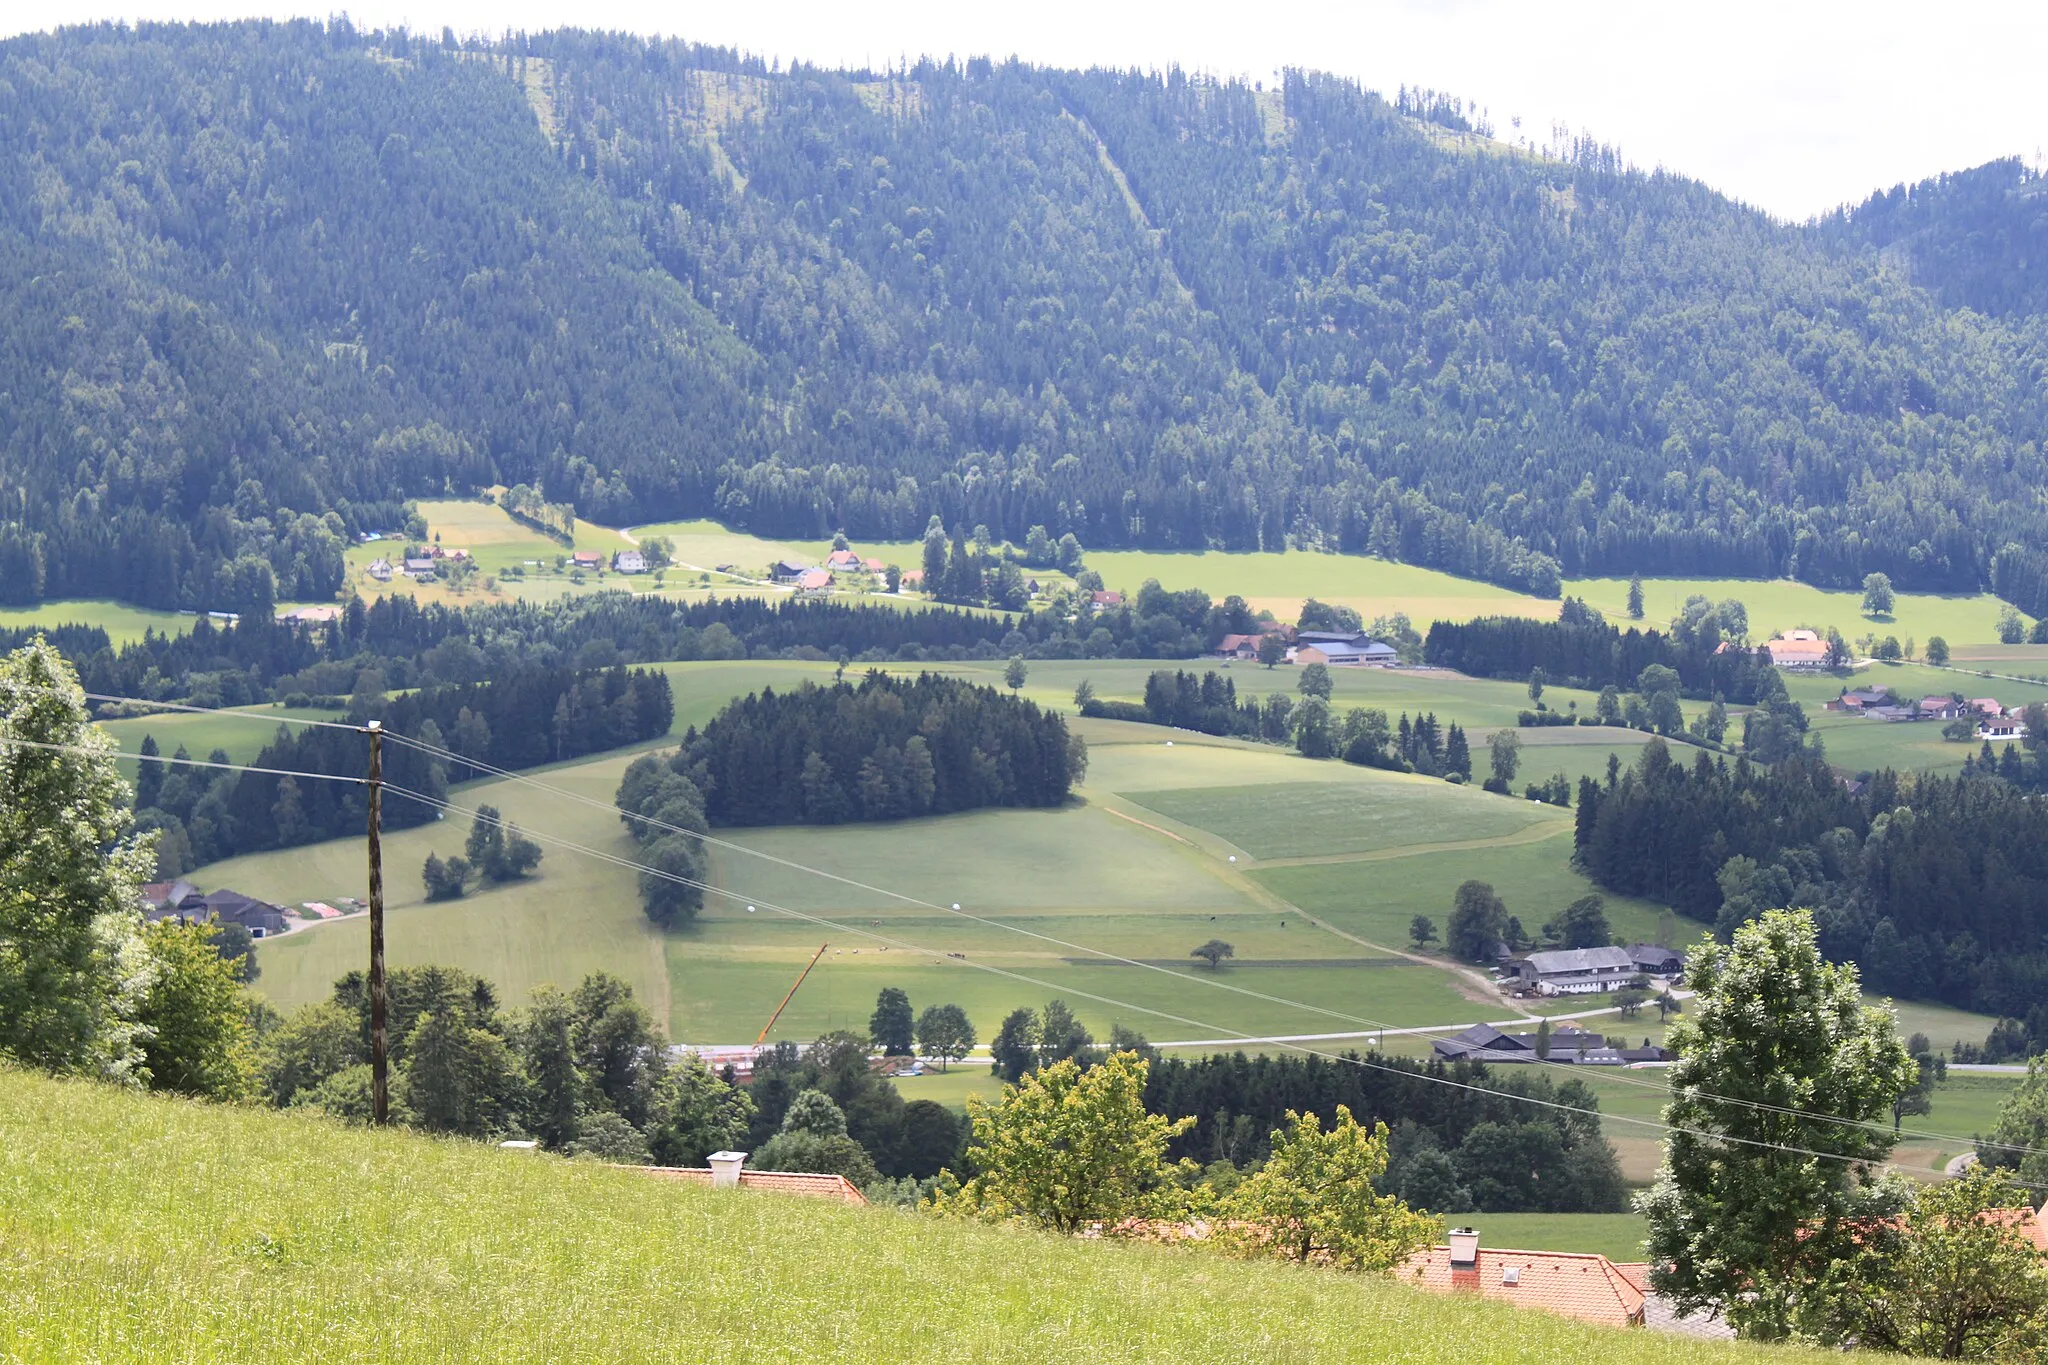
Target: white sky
(1792, 105)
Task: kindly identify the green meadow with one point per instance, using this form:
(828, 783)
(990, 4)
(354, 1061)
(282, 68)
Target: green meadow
(144, 1229)
(1782, 604)
(122, 623)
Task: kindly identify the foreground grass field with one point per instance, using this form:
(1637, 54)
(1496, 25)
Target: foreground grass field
(138, 1229)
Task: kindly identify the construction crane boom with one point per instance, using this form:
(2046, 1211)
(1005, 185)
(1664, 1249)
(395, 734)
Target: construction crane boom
(792, 993)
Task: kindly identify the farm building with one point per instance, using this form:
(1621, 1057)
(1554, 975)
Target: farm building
(787, 570)
(381, 570)
(587, 559)
(813, 580)
(1798, 649)
(726, 1171)
(629, 561)
(840, 561)
(1576, 971)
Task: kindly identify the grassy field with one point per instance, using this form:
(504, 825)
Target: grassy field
(139, 1229)
(1781, 604)
(242, 732)
(122, 623)
(1322, 819)
(1279, 583)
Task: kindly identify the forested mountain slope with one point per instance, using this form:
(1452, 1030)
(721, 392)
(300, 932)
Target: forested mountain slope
(255, 274)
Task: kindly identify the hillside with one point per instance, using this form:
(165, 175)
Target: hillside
(144, 1229)
(261, 281)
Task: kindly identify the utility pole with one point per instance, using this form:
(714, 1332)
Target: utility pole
(380, 1000)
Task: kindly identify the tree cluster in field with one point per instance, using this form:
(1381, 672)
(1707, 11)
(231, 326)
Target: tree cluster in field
(1582, 650)
(1452, 1151)
(530, 715)
(1935, 884)
(868, 337)
(1480, 923)
(882, 749)
(978, 573)
(496, 852)
(942, 1032)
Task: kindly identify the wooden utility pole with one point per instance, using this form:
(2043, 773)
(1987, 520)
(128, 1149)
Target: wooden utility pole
(380, 1000)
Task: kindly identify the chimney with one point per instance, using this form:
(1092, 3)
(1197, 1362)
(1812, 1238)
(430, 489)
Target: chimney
(725, 1169)
(1464, 1248)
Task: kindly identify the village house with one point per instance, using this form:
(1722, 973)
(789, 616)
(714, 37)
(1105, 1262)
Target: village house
(1939, 708)
(1655, 960)
(1860, 699)
(1585, 1286)
(1238, 647)
(381, 570)
(1567, 1046)
(840, 561)
(1104, 601)
(457, 555)
(813, 580)
(1576, 971)
(2001, 727)
(587, 559)
(1801, 649)
(629, 561)
(913, 578)
(787, 570)
(419, 567)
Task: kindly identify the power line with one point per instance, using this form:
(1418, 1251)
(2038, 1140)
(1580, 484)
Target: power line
(1352, 1060)
(1380, 1025)
(1377, 1025)
(181, 762)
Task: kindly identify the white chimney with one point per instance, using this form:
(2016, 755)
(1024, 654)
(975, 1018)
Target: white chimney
(725, 1169)
(1464, 1248)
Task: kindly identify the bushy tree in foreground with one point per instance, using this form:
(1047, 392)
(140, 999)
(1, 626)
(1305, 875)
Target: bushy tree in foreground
(1314, 1199)
(1778, 1060)
(196, 1037)
(73, 969)
(1957, 1277)
(1067, 1148)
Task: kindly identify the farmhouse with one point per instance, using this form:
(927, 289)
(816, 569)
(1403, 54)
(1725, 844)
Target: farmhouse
(1584, 1286)
(419, 567)
(842, 560)
(813, 580)
(1655, 960)
(1238, 647)
(181, 900)
(380, 569)
(1576, 971)
(1860, 699)
(629, 561)
(787, 570)
(2001, 727)
(1104, 601)
(1798, 649)
(1939, 708)
(587, 559)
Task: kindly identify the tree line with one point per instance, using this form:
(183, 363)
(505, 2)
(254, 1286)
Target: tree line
(531, 715)
(1934, 884)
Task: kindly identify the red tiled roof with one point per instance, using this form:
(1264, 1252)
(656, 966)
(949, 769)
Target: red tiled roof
(1587, 1287)
(810, 580)
(774, 1182)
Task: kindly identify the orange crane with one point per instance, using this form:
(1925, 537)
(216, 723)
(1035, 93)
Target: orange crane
(792, 993)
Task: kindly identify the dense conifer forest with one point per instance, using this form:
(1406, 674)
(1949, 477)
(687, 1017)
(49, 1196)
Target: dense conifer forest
(262, 280)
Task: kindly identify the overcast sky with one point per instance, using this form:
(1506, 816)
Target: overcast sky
(1792, 106)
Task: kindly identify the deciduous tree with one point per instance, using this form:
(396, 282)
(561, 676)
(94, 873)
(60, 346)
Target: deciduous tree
(1314, 1200)
(1779, 1059)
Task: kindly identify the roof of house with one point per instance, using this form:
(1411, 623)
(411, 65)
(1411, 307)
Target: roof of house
(586, 557)
(1339, 653)
(912, 576)
(813, 580)
(1936, 703)
(1230, 644)
(873, 565)
(773, 1182)
(1799, 644)
(1572, 960)
(1106, 599)
(1653, 952)
(1334, 637)
(787, 566)
(1483, 1041)
(843, 559)
(1990, 706)
(1571, 1284)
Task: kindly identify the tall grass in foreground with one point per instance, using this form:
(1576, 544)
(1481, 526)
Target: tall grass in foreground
(137, 1229)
